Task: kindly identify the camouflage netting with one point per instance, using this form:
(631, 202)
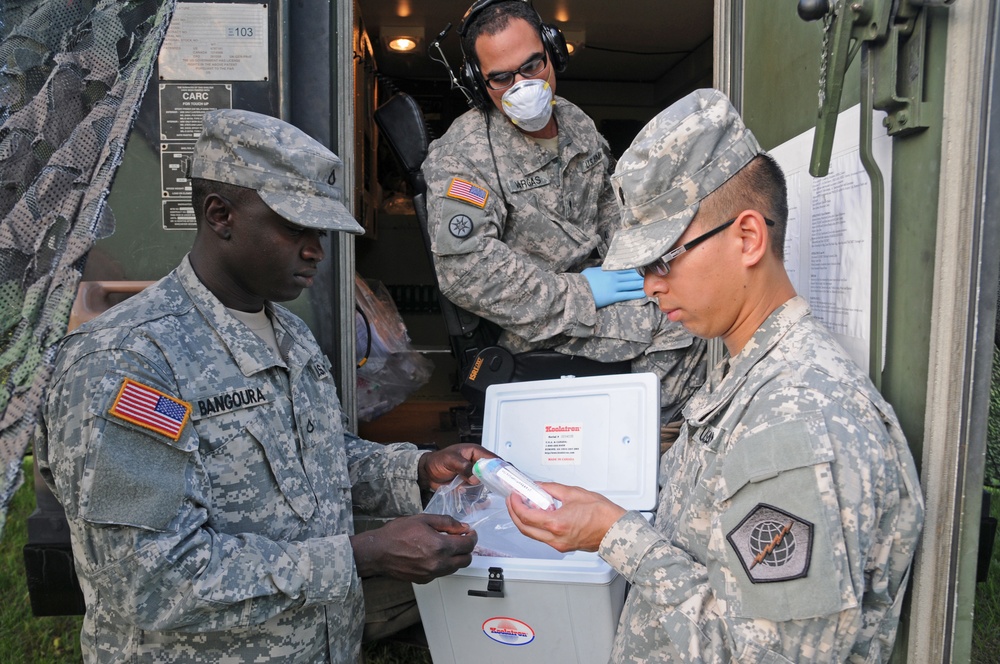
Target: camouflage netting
(72, 75)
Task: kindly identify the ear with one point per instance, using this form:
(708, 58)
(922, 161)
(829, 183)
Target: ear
(754, 235)
(219, 215)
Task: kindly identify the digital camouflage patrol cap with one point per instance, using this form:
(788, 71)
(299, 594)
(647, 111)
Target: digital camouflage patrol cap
(685, 153)
(294, 174)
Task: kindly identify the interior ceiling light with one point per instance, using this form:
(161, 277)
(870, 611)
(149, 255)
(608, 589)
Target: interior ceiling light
(562, 12)
(403, 44)
(575, 39)
(402, 40)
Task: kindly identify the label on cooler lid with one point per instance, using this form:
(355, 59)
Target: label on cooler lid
(508, 631)
(562, 444)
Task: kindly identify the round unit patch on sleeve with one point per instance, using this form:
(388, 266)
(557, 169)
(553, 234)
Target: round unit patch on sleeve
(460, 226)
(772, 544)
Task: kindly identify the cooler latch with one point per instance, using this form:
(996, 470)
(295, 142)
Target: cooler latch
(494, 586)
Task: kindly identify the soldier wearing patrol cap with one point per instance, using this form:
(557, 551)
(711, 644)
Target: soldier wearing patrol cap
(790, 507)
(521, 212)
(194, 436)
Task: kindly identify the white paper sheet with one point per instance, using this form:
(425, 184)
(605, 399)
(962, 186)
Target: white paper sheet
(828, 242)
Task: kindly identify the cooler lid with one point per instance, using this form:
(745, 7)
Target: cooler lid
(598, 432)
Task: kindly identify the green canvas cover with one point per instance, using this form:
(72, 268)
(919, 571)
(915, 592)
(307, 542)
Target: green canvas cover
(72, 76)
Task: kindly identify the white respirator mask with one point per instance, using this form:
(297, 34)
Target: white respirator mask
(529, 104)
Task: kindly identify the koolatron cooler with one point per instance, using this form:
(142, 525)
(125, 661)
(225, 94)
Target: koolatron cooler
(600, 433)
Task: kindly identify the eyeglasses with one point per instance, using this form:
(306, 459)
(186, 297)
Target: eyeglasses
(661, 266)
(505, 79)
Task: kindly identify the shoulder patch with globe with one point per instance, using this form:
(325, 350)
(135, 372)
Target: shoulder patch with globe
(772, 544)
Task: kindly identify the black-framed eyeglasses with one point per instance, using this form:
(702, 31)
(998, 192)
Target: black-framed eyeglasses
(661, 266)
(504, 79)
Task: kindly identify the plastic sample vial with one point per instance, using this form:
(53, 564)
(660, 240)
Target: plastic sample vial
(504, 478)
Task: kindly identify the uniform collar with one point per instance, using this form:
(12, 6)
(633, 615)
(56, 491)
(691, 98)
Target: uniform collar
(703, 405)
(571, 141)
(768, 335)
(250, 352)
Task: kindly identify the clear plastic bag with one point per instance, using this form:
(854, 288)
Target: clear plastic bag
(389, 369)
(486, 512)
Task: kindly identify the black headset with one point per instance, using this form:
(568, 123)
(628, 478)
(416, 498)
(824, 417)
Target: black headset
(470, 73)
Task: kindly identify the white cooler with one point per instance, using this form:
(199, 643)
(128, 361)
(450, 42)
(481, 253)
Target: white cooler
(601, 433)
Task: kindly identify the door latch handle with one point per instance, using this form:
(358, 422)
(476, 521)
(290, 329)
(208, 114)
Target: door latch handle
(494, 586)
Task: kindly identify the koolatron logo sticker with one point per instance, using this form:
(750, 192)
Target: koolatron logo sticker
(508, 631)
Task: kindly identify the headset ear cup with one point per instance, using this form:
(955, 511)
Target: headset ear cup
(471, 80)
(555, 43)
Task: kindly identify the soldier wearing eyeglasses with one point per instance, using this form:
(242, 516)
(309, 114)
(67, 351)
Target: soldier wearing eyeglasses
(521, 211)
(789, 508)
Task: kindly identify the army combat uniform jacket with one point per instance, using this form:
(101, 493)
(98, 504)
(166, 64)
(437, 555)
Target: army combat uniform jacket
(788, 515)
(208, 484)
(512, 224)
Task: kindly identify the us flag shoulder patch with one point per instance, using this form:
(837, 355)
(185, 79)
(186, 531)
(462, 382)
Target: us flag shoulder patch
(150, 409)
(464, 190)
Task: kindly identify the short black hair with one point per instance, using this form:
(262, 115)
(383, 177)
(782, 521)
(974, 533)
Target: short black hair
(495, 18)
(202, 189)
(760, 186)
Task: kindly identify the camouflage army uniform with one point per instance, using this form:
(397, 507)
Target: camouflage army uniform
(509, 239)
(230, 542)
(796, 462)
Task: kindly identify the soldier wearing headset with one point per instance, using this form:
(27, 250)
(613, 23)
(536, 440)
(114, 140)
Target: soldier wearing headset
(521, 211)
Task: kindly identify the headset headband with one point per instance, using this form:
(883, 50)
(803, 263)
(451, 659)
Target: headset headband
(474, 11)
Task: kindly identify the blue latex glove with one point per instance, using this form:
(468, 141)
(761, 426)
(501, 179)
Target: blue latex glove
(610, 286)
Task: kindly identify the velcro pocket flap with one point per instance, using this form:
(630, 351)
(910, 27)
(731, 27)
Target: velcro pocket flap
(784, 556)
(136, 475)
(777, 448)
(279, 448)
